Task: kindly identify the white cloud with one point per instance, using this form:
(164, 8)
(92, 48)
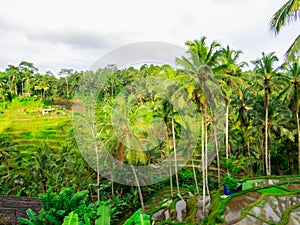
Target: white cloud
(56, 34)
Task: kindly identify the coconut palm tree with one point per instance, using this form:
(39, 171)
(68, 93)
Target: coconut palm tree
(287, 14)
(7, 150)
(66, 73)
(228, 77)
(12, 72)
(264, 67)
(26, 70)
(202, 60)
(229, 62)
(243, 131)
(291, 94)
(3, 93)
(42, 167)
(200, 54)
(167, 110)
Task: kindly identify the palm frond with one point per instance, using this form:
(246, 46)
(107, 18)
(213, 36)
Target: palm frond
(293, 51)
(288, 13)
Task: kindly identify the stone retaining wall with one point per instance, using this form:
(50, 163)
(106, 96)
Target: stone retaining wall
(13, 207)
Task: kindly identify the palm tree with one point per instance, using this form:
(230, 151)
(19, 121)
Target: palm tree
(66, 72)
(167, 109)
(288, 13)
(243, 130)
(264, 67)
(200, 54)
(229, 62)
(3, 93)
(202, 60)
(26, 70)
(228, 77)
(42, 84)
(291, 94)
(7, 149)
(43, 165)
(12, 72)
(278, 117)
(128, 142)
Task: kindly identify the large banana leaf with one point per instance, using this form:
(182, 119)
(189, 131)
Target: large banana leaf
(71, 219)
(138, 218)
(104, 216)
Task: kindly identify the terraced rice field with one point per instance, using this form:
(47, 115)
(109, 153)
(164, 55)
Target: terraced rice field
(29, 131)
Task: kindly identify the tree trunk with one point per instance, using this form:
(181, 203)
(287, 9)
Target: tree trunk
(206, 150)
(171, 181)
(218, 155)
(98, 174)
(298, 129)
(249, 155)
(27, 86)
(139, 189)
(67, 83)
(195, 177)
(203, 162)
(262, 155)
(10, 89)
(93, 129)
(16, 89)
(267, 163)
(226, 133)
(112, 181)
(175, 154)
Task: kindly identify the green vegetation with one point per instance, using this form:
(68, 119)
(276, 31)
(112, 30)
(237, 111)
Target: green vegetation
(138, 119)
(266, 196)
(68, 208)
(272, 191)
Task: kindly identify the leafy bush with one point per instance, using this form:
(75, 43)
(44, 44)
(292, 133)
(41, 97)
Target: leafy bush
(230, 181)
(56, 207)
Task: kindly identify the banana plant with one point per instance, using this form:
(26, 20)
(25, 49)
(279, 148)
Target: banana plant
(71, 219)
(138, 219)
(104, 216)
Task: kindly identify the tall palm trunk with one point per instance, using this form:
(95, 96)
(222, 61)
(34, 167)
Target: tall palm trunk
(16, 89)
(67, 83)
(22, 89)
(139, 189)
(195, 177)
(27, 85)
(175, 153)
(203, 162)
(298, 127)
(112, 181)
(93, 129)
(251, 165)
(226, 135)
(11, 84)
(262, 155)
(267, 155)
(206, 149)
(171, 181)
(218, 155)
(226, 132)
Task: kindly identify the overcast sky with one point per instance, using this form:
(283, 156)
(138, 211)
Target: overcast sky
(74, 34)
